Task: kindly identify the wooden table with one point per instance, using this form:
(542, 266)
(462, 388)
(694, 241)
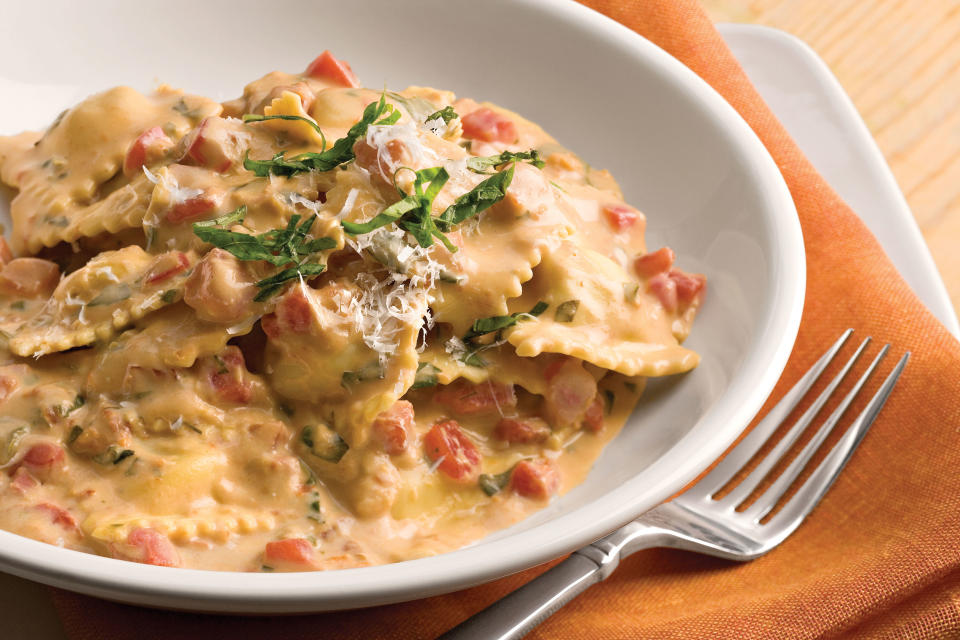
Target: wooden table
(900, 62)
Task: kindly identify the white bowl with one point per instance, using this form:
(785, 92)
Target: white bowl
(681, 153)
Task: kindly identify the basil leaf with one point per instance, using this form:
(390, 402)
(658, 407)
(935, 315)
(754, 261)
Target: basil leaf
(391, 214)
(253, 117)
(273, 284)
(446, 114)
(234, 217)
(480, 198)
(242, 245)
(324, 442)
(482, 163)
(483, 326)
(426, 376)
(566, 311)
(492, 484)
(340, 153)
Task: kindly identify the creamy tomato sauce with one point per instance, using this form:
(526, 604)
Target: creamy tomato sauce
(314, 327)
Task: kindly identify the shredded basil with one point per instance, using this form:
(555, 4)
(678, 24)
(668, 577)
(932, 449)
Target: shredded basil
(379, 113)
(483, 326)
(19, 305)
(74, 433)
(324, 442)
(426, 376)
(234, 217)
(370, 371)
(13, 442)
(492, 484)
(169, 296)
(446, 114)
(482, 163)
(479, 199)
(289, 247)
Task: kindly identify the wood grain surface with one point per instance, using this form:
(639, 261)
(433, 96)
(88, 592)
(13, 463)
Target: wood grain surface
(900, 62)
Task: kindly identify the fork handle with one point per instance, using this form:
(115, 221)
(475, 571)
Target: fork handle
(516, 614)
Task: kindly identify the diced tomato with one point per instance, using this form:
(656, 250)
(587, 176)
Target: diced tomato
(554, 367)
(228, 376)
(620, 217)
(537, 479)
(29, 277)
(23, 480)
(465, 398)
(393, 427)
(459, 458)
(149, 147)
(194, 208)
(289, 552)
(690, 286)
(8, 384)
(593, 419)
(521, 430)
(570, 391)
(6, 255)
(665, 289)
(148, 546)
(650, 264)
(489, 126)
(212, 144)
(59, 515)
(294, 312)
(167, 265)
(326, 67)
(43, 455)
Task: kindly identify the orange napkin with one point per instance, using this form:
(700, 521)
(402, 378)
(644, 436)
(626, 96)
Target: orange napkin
(880, 557)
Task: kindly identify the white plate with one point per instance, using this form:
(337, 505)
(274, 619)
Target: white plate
(815, 110)
(681, 152)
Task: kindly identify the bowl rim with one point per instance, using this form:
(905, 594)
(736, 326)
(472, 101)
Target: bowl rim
(192, 589)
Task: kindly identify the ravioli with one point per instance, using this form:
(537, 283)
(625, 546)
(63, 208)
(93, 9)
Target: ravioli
(314, 327)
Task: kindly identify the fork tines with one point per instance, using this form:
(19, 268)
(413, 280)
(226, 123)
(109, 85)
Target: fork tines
(813, 488)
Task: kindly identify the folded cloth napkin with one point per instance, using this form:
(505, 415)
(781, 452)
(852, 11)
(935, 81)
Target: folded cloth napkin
(879, 558)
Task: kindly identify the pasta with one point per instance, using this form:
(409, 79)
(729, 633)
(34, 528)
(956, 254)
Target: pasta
(314, 327)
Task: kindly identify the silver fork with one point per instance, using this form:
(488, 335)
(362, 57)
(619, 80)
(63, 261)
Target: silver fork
(695, 520)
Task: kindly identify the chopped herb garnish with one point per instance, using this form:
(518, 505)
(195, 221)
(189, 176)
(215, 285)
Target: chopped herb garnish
(371, 371)
(192, 428)
(631, 291)
(290, 247)
(446, 114)
(483, 163)
(426, 376)
(311, 477)
(341, 152)
(74, 433)
(479, 199)
(611, 398)
(492, 484)
(19, 305)
(169, 296)
(234, 217)
(113, 455)
(221, 365)
(324, 442)
(253, 117)
(315, 506)
(13, 442)
(413, 212)
(566, 311)
(495, 324)
(265, 567)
